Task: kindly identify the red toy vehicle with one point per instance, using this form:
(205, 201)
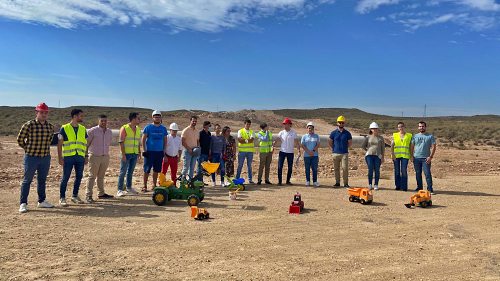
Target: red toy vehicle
(297, 205)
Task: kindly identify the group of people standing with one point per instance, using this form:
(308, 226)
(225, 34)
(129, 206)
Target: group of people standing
(163, 148)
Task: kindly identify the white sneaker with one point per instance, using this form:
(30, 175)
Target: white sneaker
(132, 190)
(214, 184)
(316, 184)
(370, 187)
(120, 193)
(63, 202)
(45, 204)
(23, 208)
(77, 200)
(308, 183)
(375, 187)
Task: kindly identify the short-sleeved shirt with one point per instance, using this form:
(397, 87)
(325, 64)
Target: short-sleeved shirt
(205, 140)
(423, 143)
(62, 134)
(310, 141)
(340, 141)
(191, 135)
(99, 141)
(287, 140)
(174, 144)
(155, 137)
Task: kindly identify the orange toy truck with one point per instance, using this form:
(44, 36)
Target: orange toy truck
(422, 198)
(199, 213)
(360, 194)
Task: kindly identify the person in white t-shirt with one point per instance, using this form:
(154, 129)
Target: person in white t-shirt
(173, 152)
(288, 139)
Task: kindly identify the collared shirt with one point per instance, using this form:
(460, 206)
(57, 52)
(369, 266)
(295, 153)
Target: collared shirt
(423, 143)
(192, 136)
(310, 141)
(340, 141)
(174, 144)
(205, 140)
(287, 140)
(99, 141)
(35, 138)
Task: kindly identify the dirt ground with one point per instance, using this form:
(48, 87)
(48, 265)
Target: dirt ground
(254, 237)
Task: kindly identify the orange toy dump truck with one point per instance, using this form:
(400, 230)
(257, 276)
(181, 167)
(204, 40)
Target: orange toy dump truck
(422, 198)
(360, 194)
(199, 213)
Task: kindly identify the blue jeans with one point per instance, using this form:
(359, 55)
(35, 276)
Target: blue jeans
(241, 159)
(419, 164)
(127, 167)
(311, 162)
(41, 166)
(201, 159)
(189, 162)
(401, 173)
(373, 162)
(217, 158)
(77, 162)
(281, 162)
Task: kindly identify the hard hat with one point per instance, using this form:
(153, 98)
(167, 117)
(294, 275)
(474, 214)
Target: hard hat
(310, 124)
(174, 127)
(196, 152)
(42, 107)
(373, 125)
(341, 118)
(287, 121)
(156, 112)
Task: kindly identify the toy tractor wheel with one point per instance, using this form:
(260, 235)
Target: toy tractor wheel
(351, 198)
(423, 204)
(160, 197)
(207, 216)
(362, 201)
(241, 187)
(201, 217)
(193, 200)
(430, 203)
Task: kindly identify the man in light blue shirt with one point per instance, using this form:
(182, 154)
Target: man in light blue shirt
(310, 144)
(422, 149)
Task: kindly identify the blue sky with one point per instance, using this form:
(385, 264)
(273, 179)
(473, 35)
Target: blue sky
(383, 56)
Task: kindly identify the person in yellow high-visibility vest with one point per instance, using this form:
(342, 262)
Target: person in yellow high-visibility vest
(245, 149)
(265, 152)
(72, 153)
(130, 146)
(400, 155)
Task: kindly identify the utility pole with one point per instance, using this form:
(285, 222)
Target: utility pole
(133, 103)
(59, 104)
(425, 110)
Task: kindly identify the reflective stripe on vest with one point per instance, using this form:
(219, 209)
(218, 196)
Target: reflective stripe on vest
(245, 147)
(132, 140)
(76, 144)
(266, 146)
(402, 147)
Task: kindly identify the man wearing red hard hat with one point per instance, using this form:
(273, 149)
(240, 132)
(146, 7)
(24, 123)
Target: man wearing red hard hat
(288, 139)
(35, 137)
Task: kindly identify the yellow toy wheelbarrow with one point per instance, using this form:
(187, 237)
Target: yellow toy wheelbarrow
(209, 168)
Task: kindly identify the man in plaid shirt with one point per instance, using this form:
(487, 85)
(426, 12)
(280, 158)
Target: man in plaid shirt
(35, 137)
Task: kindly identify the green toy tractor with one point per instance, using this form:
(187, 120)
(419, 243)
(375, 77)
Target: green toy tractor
(189, 189)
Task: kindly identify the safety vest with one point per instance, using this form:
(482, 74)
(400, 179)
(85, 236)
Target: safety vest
(245, 147)
(76, 144)
(402, 148)
(132, 140)
(266, 146)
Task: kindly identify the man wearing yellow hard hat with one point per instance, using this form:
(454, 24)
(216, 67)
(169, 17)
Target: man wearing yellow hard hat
(340, 141)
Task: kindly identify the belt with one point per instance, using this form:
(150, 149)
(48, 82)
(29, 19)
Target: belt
(172, 156)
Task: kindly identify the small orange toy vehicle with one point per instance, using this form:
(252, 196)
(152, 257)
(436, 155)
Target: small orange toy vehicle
(422, 198)
(199, 213)
(360, 194)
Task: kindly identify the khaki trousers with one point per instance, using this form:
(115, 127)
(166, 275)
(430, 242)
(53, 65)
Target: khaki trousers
(265, 159)
(339, 159)
(98, 166)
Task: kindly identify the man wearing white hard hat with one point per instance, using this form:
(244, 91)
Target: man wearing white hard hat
(310, 144)
(374, 145)
(154, 141)
(172, 152)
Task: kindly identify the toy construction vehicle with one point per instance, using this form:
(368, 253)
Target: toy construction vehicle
(421, 198)
(199, 213)
(297, 205)
(361, 195)
(235, 184)
(189, 189)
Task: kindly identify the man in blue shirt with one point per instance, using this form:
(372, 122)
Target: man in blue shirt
(340, 141)
(422, 149)
(310, 144)
(154, 141)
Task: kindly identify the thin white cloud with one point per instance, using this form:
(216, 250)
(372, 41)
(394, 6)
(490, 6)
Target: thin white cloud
(200, 15)
(365, 6)
(484, 5)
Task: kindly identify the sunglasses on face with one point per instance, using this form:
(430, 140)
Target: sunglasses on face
(340, 122)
